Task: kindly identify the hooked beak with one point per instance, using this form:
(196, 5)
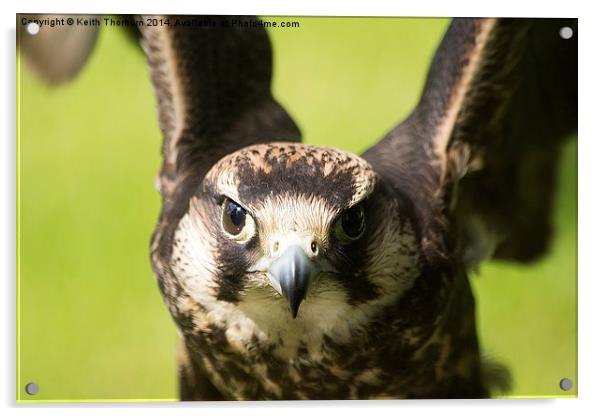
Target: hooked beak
(293, 271)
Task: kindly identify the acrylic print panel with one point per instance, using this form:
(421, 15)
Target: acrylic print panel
(376, 256)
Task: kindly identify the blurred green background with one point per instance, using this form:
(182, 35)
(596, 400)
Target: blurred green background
(92, 323)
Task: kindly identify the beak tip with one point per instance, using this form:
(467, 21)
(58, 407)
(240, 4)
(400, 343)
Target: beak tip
(294, 311)
(294, 304)
(292, 272)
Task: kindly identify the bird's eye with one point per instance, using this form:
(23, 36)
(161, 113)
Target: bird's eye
(234, 217)
(351, 224)
(236, 222)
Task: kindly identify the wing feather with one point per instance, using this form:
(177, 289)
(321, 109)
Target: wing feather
(477, 156)
(212, 82)
(57, 53)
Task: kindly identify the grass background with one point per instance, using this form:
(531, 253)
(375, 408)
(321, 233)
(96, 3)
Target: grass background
(92, 325)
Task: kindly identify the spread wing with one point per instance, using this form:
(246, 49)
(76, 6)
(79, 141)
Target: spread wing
(477, 156)
(212, 82)
(56, 53)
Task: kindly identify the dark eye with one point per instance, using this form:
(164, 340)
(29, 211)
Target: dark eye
(352, 223)
(234, 217)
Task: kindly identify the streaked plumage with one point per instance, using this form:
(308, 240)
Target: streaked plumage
(302, 272)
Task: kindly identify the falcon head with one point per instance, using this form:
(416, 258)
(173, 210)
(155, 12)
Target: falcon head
(295, 229)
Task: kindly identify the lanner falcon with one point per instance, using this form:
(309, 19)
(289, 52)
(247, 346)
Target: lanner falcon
(304, 272)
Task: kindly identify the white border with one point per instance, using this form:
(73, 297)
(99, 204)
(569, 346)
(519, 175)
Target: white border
(590, 207)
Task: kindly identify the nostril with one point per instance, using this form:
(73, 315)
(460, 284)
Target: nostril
(275, 247)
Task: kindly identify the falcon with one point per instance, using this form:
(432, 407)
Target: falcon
(295, 271)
